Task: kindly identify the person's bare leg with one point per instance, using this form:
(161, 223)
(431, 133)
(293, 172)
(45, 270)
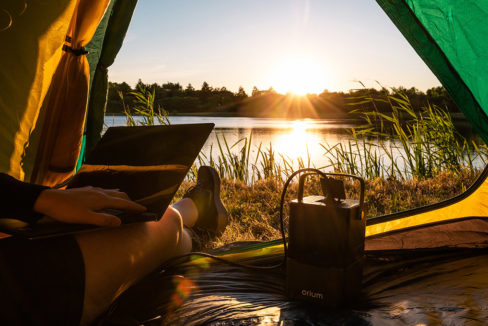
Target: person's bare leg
(188, 211)
(116, 259)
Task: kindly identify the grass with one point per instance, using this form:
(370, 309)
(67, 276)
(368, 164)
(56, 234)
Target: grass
(409, 158)
(234, 162)
(143, 106)
(400, 145)
(413, 143)
(253, 208)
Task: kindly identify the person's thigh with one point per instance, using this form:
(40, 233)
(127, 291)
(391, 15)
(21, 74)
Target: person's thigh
(41, 281)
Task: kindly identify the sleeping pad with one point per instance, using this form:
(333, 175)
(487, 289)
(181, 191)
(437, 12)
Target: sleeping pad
(400, 287)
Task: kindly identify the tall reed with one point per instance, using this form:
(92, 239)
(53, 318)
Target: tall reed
(234, 161)
(143, 107)
(401, 144)
(407, 143)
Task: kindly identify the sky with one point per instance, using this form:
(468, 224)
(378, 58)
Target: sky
(291, 45)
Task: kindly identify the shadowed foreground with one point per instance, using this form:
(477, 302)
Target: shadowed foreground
(399, 288)
(442, 281)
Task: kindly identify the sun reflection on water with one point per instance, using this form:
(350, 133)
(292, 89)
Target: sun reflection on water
(288, 139)
(299, 142)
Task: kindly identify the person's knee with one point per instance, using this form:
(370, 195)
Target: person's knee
(173, 219)
(184, 242)
(173, 226)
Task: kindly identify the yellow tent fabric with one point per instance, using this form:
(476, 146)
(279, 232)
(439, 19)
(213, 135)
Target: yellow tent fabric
(474, 205)
(31, 37)
(65, 105)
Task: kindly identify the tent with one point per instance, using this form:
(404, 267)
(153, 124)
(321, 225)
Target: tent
(55, 56)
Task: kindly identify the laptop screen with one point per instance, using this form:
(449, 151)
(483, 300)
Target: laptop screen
(148, 163)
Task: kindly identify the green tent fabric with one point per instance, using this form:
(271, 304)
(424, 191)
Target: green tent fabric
(113, 39)
(94, 48)
(450, 36)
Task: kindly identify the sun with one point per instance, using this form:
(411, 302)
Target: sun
(299, 75)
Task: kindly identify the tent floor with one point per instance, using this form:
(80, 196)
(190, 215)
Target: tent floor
(401, 287)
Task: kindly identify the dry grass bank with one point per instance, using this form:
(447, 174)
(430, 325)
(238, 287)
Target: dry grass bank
(254, 209)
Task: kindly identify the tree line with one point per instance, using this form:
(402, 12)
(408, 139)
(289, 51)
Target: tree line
(208, 100)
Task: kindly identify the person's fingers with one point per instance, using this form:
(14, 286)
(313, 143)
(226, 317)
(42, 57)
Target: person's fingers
(101, 219)
(124, 204)
(116, 193)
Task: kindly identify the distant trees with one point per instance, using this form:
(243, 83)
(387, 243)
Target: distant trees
(178, 100)
(241, 93)
(255, 92)
(189, 90)
(435, 96)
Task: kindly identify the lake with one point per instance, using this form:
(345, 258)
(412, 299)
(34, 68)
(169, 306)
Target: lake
(292, 140)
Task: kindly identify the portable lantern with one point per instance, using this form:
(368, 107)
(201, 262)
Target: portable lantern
(326, 244)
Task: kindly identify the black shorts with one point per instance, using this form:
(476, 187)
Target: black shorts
(41, 282)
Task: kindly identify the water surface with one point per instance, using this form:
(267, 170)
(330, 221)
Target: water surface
(291, 140)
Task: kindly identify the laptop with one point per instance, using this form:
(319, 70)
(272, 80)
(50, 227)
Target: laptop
(146, 162)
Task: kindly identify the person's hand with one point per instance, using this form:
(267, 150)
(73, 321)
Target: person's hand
(80, 205)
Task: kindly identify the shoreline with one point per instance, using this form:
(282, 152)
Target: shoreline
(346, 117)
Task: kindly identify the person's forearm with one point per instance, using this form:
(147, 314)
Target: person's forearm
(17, 199)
